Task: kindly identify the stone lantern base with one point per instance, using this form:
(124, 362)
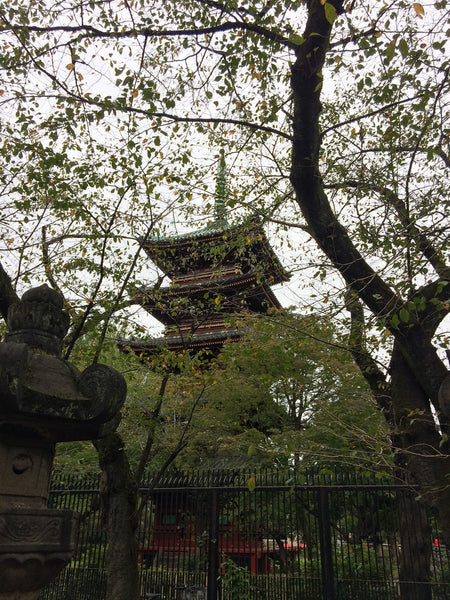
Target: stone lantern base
(34, 546)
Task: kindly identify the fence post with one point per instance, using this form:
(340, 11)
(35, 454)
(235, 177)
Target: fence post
(326, 555)
(213, 547)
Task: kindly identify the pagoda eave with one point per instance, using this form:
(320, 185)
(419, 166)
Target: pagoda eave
(180, 343)
(172, 252)
(258, 298)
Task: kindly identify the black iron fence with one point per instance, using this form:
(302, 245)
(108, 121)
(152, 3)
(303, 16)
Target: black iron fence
(265, 536)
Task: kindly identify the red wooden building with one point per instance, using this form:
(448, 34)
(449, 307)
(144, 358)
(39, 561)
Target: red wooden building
(180, 534)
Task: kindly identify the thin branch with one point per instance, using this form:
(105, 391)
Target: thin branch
(121, 291)
(83, 32)
(432, 254)
(369, 368)
(47, 263)
(91, 303)
(371, 113)
(117, 106)
(438, 151)
(179, 447)
(145, 454)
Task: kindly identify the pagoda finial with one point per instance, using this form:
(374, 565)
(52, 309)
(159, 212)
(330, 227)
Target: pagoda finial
(221, 191)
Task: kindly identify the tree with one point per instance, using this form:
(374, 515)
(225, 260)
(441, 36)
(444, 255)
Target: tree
(286, 393)
(333, 121)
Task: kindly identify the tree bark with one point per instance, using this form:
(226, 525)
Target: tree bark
(8, 294)
(119, 494)
(416, 548)
(418, 440)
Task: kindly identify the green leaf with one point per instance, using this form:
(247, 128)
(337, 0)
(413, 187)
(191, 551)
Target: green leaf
(330, 13)
(404, 315)
(251, 483)
(395, 321)
(390, 50)
(295, 38)
(403, 47)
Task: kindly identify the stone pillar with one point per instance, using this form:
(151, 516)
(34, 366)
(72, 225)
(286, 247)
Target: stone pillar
(44, 399)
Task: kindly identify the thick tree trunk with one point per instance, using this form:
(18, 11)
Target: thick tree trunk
(419, 441)
(416, 547)
(417, 458)
(118, 493)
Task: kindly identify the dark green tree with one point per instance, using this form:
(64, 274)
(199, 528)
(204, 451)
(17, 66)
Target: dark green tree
(287, 393)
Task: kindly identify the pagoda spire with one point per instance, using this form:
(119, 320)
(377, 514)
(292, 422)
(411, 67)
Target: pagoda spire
(221, 192)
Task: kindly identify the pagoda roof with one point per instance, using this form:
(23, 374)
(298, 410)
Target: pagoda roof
(257, 295)
(245, 244)
(196, 341)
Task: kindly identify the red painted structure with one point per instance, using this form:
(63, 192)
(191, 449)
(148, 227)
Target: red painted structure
(180, 533)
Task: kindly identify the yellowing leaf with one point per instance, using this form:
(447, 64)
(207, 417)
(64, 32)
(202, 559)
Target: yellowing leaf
(420, 11)
(390, 50)
(70, 66)
(135, 93)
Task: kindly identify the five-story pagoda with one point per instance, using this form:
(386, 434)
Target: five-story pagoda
(221, 271)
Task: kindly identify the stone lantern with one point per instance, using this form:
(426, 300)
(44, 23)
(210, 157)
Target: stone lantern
(44, 399)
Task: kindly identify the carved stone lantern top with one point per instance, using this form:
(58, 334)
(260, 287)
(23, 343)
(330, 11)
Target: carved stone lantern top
(38, 320)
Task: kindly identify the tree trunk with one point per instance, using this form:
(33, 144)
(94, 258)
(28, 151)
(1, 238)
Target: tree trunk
(118, 493)
(418, 440)
(416, 548)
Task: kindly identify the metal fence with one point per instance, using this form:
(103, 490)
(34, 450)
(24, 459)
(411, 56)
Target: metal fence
(265, 536)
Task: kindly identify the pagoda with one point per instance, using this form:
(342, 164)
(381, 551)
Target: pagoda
(217, 273)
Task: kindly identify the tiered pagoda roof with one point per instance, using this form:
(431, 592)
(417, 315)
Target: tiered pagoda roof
(217, 272)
